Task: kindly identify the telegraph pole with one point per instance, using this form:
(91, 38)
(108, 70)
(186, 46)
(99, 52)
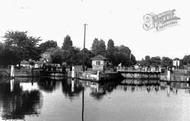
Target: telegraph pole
(84, 47)
(84, 36)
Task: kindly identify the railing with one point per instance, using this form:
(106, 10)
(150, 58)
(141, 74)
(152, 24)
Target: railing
(124, 69)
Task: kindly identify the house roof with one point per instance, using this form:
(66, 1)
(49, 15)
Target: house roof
(99, 57)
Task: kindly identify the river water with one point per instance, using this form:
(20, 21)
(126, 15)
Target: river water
(76, 100)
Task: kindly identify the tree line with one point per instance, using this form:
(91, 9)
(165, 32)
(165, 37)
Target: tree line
(18, 46)
(164, 61)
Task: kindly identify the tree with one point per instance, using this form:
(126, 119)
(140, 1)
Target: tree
(26, 46)
(123, 55)
(166, 62)
(102, 48)
(47, 45)
(9, 56)
(110, 47)
(124, 49)
(155, 61)
(87, 57)
(133, 60)
(59, 56)
(95, 45)
(110, 50)
(98, 47)
(147, 60)
(67, 43)
(74, 56)
(186, 60)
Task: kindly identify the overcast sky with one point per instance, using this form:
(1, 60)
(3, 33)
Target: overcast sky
(120, 20)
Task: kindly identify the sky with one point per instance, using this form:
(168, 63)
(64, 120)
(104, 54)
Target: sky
(119, 20)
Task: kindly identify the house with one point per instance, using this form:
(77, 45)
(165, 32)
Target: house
(99, 63)
(176, 62)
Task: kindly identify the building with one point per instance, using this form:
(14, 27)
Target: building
(176, 62)
(99, 63)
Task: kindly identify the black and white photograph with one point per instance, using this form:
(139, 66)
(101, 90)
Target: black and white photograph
(94, 60)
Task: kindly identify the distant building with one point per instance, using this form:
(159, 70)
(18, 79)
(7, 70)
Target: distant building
(176, 62)
(99, 63)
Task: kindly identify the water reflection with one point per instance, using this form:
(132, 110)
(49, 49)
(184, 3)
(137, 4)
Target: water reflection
(154, 86)
(16, 103)
(72, 88)
(47, 84)
(99, 90)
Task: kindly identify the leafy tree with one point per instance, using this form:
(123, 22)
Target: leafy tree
(98, 47)
(147, 61)
(102, 47)
(124, 56)
(25, 46)
(132, 60)
(67, 44)
(71, 57)
(124, 49)
(59, 56)
(87, 57)
(74, 56)
(186, 60)
(47, 45)
(110, 50)
(95, 45)
(166, 62)
(155, 61)
(8, 56)
(110, 47)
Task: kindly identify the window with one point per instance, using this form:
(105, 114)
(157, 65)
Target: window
(97, 63)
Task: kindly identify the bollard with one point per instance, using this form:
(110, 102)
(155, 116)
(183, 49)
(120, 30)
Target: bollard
(168, 75)
(12, 71)
(98, 75)
(73, 72)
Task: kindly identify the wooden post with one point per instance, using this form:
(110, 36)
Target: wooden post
(12, 71)
(168, 75)
(73, 72)
(98, 75)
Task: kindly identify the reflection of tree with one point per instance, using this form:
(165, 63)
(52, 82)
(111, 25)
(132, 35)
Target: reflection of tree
(67, 88)
(18, 103)
(47, 84)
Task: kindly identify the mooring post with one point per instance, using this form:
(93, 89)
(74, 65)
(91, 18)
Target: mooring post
(73, 72)
(12, 71)
(98, 75)
(168, 75)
